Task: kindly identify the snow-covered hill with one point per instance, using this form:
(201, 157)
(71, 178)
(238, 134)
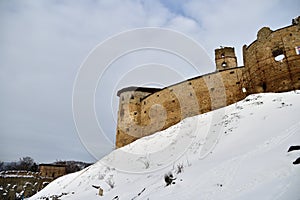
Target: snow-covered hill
(237, 152)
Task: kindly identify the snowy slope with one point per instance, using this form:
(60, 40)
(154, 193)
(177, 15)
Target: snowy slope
(237, 152)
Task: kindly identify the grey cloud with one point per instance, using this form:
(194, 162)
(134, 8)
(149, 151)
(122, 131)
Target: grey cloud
(43, 44)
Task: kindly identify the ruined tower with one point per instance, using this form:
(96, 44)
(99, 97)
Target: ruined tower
(225, 58)
(272, 60)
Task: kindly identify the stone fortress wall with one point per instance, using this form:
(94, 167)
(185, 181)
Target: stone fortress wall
(144, 111)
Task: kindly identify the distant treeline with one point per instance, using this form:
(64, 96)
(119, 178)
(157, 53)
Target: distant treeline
(27, 163)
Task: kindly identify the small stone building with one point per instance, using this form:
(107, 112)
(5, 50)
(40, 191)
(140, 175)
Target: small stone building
(51, 170)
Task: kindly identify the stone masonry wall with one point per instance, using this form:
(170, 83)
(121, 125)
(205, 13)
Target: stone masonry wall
(129, 117)
(172, 104)
(52, 171)
(192, 97)
(143, 112)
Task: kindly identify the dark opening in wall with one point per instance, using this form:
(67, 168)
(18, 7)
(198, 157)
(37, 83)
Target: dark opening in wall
(135, 113)
(173, 100)
(132, 97)
(191, 94)
(122, 113)
(190, 83)
(278, 54)
(237, 82)
(232, 72)
(264, 86)
(224, 64)
(145, 111)
(157, 95)
(122, 98)
(222, 55)
(144, 102)
(212, 89)
(127, 129)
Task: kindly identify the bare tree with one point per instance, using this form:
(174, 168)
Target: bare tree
(1, 166)
(26, 163)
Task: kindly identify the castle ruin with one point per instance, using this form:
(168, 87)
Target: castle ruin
(52, 171)
(271, 64)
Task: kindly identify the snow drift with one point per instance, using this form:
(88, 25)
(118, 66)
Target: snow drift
(237, 152)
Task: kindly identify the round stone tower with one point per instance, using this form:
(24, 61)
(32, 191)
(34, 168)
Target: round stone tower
(129, 116)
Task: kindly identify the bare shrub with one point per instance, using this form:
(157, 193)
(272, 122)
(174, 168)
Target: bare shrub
(179, 168)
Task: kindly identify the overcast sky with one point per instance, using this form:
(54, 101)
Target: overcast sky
(44, 42)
